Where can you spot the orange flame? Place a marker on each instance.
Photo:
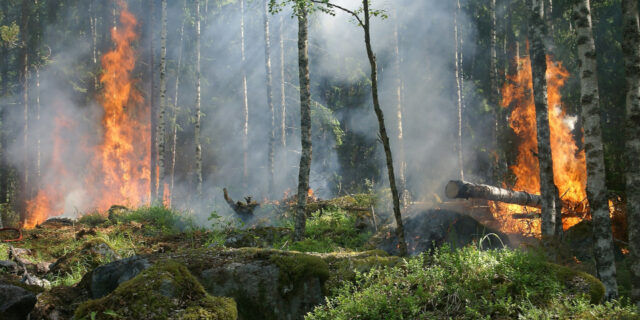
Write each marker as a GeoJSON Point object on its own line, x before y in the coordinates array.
{"type": "Point", "coordinates": [310, 193]}
{"type": "Point", "coordinates": [119, 170]}
{"type": "Point", "coordinates": [568, 162]}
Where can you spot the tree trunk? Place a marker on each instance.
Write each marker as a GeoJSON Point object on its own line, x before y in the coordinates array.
{"type": "Point", "coordinates": [93, 20]}
{"type": "Point", "coordinates": [383, 132]}
{"type": "Point", "coordinates": [548, 189]}
{"type": "Point", "coordinates": [631, 50]}
{"type": "Point", "coordinates": [245, 100]}
{"type": "Point", "coordinates": [163, 102]}
{"type": "Point", "coordinates": [24, 81]}
{"type": "Point", "coordinates": [399, 114]}
{"type": "Point", "coordinates": [174, 118]}
{"type": "Point", "coordinates": [198, 155]}
{"type": "Point", "coordinates": [596, 188]}
{"type": "Point", "coordinates": [461, 189]}
{"type": "Point", "coordinates": [283, 100]}
{"type": "Point", "coordinates": [267, 64]}
{"type": "Point", "coordinates": [458, 91]}
{"type": "Point", "coordinates": [305, 122]}
{"type": "Point", "coordinates": [494, 93]}
{"type": "Point", "coordinates": [153, 184]}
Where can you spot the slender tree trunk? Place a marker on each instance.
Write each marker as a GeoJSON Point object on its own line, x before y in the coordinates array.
{"type": "Point", "coordinates": [548, 189]}
{"type": "Point", "coordinates": [283, 100]}
{"type": "Point", "coordinates": [267, 64]}
{"type": "Point", "coordinates": [399, 113]}
{"type": "Point", "coordinates": [174, 118]}
{"type": "Point", "coordinates": [458, 91]}
{"type": "Point", "coordinates": [596, 188]}
{"type": "Point", "coordinates": [93, 20]}
{"type": "Point", "coordinates": [198, 113]}
{"type": "Point", "coordinates": [245, 109]}
{"type": "Point", "coordinates": [494, 94]}
{"type": "Point", "coordinates": [631, 50]}
{"type": "Point", "coordinates": [24, 81]}
{"type": "Point", "coordinates": [153, 185]}
{"type": "Point", "coordinates": [38, 149]}
{"type": "Point", "coordinates": [305, 122]}
{"type": "Point", "coordinates": [383, 132]}
{"type": "Point", "coordinates": [163, 102]}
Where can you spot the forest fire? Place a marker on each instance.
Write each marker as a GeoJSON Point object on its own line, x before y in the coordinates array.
{"type": "Point", "coordinates": [568, 162]}
{"type": "Point", "coordinates": [117, 171]}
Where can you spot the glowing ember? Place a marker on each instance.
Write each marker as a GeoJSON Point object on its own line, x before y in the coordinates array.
{"type": "Point", "coordinates": [118, 168]}
{"type": "Point", "coordinates": [568, 162]}
{"type": "Point", "coordinates": [310, 193]}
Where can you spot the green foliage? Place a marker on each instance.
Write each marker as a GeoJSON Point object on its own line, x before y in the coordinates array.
{"type": "Point", "coordinates": [9, 34]}
{"type": "Point", "coordinates": [158, 219]}
{"type": "Point", "coordinates": [4, 251]}
{"type": "Point", "coordinates": [93, 219]}
{"type": "Point", "coordinates": [328, 231]}
{"type": "Point", "coordinates": [471, 284]}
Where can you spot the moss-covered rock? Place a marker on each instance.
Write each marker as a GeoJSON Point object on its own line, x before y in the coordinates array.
{"type": "Point", "coordinates": [167, 290]}
{"type": "Point", "coordinates": [93, 253]}
{"type": "Point", "coordinates": [578, 282]}
{"type": "Point", "coordinates": [343, 266]}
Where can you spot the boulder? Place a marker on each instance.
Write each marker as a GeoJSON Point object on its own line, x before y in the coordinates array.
{"type": "Point", "coordinates": [104, 279]}
{"type": "Point", "coordinates": [93, 253]}
{"type": "Point", "coordinates": [428, 229]}
{"type": "Point", "coordinates": [265, 283]}
{"type": "Point", "coordinates": [15, 302]}
{"type": "Point", "coordinates": [8, 266]}
{"type": "Point", "coordinates": [166, 290]}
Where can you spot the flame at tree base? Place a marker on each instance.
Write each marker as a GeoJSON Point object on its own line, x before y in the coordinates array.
{"type": "Point", "coordinates": [569, 164]}
{"type": "Point", "coordinates": [117, 169]}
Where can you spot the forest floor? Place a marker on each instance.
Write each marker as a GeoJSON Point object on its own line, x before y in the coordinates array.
{"type": "Point", "coordinates": [152, 262]}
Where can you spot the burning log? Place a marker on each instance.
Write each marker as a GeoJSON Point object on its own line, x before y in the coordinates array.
{"type": "Point", "coordinates": [462, 189]}
{"type": "Point", "coordinates": [243, 209]}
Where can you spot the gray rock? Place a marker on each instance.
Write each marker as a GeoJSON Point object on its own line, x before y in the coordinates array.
{"type": "Point", "coordinates": [8, 265]}
{"type": "Point", "coordinates": [104, 279]}
{"type": "Point", "coordinates": [15, 302]}
{"type": "Point", "coordinates": [35, 281]}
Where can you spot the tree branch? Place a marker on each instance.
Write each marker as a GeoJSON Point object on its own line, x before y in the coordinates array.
{"type": "Point", "coordinates": [331, 5]}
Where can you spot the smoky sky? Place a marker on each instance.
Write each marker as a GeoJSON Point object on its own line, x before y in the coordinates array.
{"type": "Point", "coordinates": [337, 50]}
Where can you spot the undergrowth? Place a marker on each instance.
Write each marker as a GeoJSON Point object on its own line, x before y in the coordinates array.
{"type": "Point", "coordinates": [472, 284]}
{"type": "Point", "coordinates": [328, 231]}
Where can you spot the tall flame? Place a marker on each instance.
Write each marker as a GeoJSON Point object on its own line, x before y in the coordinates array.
{"type": "Point", "coordinates": [568, 162]}
{"type": "Point", "coordinates": [118, 169]}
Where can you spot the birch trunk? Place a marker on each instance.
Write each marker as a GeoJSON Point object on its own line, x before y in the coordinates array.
{"type": "Point", "coordinates": [269, 80]}
{"type": "Point", "coordinates": [245, 100]}
{"type": "Point", "coordinates": [24, 82]}
{"type": "Point", "coordinates": [283, 100]}
{"type": "Point", "coordinates": [153, 184]}
{"type": "Point", "coordinates": [383, 132]}
{"type": "Point", "coordinates": [198, 154]}
{"type": "Point", "coordinates": [494, 94]}
{"type": "Point", "coordinates": [174, 118]}
{"type": "Point", "coordinates": [399, 114]}
{"type": "Point", "coordinates": [596, 188]}
{"type": "Point", "coordinates": [305, 122]}
{"type": "Point", "coordinates": [163, 102]}
{"type": "Point", "coordinates": [631, 50]}
{"type": "Point", "coordinates": [459, 92]}
{"type": "Point", "coordinates": [548, 189]}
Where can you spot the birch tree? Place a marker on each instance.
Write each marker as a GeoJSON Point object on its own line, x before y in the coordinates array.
{"type": "Point", "coordinates": [198, 155]}
{"type": "Point", "coordinates": [174, 118]}
{"type": "Point", "coordinates": [631, 50]}
{"type": "Point", "coordinates": [537, 52]}
{"type": "Point", "coordinates": [245, 103]}
{"type": "Point", "coordinates": [160, 140]}
{"type": "Point", "coordinates": [594, 152]}
{"type": "Point", "coordinates": [269, 83]}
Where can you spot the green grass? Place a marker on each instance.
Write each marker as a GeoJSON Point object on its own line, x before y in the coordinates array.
{"type": "Point", "coordinates": [158, 219]}
{"type": "Point", "coordinates": [332, 230]}
{"type": "Point", "coordinates": [472, 284]}
{"type": "Point", "coordinates": [93, 219]}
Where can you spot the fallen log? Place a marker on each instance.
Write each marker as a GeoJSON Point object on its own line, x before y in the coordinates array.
{"type": "Point", "coordinates": [462, 189]}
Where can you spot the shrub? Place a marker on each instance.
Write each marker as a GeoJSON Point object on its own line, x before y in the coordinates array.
{"type": "Point", "coordinates": [158, 219]}
{"type": "Point", "coordinates": [470, 284]}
